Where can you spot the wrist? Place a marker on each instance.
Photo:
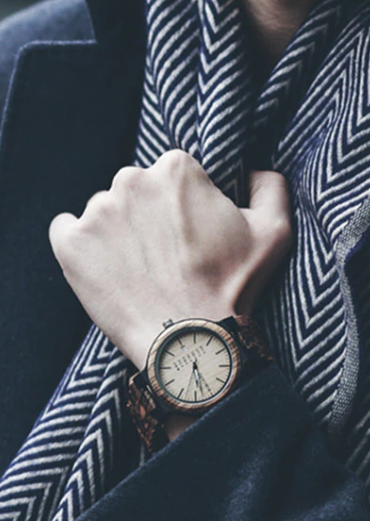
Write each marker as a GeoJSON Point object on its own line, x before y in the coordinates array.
{"type": "Point", "coordinates": [137, 342]}
{"type": "Point", "coordinates": [175, 424]}
{"type": "Point", "coordinates": [192, 365]}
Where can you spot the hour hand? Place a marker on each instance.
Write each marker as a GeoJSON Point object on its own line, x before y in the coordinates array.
{"type": "Point", "coordinates": [197, 376]}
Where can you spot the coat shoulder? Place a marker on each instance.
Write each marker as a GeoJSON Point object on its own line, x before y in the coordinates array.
{"type": "Point", "coordinates": [50, 20]}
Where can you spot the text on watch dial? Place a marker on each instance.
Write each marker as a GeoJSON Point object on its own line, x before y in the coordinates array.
{"type": "Point", "coordinates": [194, 366]}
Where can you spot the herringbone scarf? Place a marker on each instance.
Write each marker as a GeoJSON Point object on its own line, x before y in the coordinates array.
{"type": "Point", "coordinates": [203, 93]}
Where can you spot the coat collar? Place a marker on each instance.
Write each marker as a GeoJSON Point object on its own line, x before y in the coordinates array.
{"type": "Point", "coordinates": [115, 21]}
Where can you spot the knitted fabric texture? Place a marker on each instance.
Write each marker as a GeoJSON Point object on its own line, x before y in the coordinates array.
{"type": "Point", "coordinates": [204, 94]}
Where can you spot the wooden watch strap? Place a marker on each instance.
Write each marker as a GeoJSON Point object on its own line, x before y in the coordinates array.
{"type": "Point", "coordinates": [252, 338]}
{"type": "Point", "coordinates": [146, 414]}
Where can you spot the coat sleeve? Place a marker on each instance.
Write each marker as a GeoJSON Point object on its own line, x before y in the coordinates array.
{"type": "Point", "coordinates": [257, 456]}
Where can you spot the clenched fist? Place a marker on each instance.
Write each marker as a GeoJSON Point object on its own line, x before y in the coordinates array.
{"type": "Point", "coordinates": [164, 242]}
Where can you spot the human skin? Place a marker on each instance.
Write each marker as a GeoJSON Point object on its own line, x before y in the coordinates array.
{"type": "Point", "coordinates": [274, 23]}
{"type": "Point", "coordinates": [163, 243]}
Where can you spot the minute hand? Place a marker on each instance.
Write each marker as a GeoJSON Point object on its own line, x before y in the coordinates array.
{"type": "Point", "coordinates": [197, 377]}
{"type": "Point", "coordinates": [190, 380]}
{"type": "Point", "coordinates": [204, 381]}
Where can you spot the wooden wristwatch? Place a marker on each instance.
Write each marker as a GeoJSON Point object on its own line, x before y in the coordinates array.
{"type": "Point", "coordinates": [191, 366]}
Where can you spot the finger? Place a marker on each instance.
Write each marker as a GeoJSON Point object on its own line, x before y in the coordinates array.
{"type": "Point", "coordinates": [96, 196]}
{"type": "Point", "coordinates": [96, 201]}
{"type": "Point", "coordinates": [268, 192]}
{"type": "Point", "coordinates": [127, 177]}
{"type": "Point", "coordinates": [99, 207]}
{"type": "Point", "coordinates": [59, 230]}
{"type": "Point", "coordinates": [269, 212]}
{"type": "Point", "coordinates": [176, 164]}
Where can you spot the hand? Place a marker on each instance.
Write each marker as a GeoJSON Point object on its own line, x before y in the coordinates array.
{"type": "Point", "coordinates": [164, 243]}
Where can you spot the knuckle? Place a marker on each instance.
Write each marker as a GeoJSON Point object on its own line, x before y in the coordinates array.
{"type": "Point", "coordinates": [119, 178]}
{"type": "Point", "coordinates": [99, 208]}
{"type": "Point", "coordinates": [179, 168]}
{"type": "Point", "coordinates": [103, 206]}
{"type": "Point", "coordinates": [175, 156]}
{"type": "Point", "coordinates": [65, 245]}
{"type": "Point", "coordinates": [127, 178]}
{"type": "Point", "coordinates": [53, 229]}
{"type": "Point", "coordinates": [174, 163]}
{"type": "Point", "coordinates": [98, 199]}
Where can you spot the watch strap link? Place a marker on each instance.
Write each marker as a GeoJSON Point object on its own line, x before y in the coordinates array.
{"type": "Point", "coordinates": [146, 414]}
{"type": "Point", "coordinates": [251, 337]}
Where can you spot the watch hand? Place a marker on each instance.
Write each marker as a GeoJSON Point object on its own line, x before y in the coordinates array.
{"type": "Point", "coordinates": [197, 376]}
{"type": "Point", "coordinates": [190, 380]}
{"type": "Point", "coordinates": [205, 382]}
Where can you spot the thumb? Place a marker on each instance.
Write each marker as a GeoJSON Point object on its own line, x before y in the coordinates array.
{"type": "Point", "coordinates": [269, 193]}
{"type": "Point", "coordinates": [269, 222]}
{"type": "Point", "coordinates": [269, 212]}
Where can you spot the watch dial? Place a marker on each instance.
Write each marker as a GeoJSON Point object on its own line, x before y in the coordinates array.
{"type": "Point", "coordinates": [194, 366]}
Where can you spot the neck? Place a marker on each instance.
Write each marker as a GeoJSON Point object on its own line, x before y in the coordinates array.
{"type": "Point", "coordinates": [274, 23]}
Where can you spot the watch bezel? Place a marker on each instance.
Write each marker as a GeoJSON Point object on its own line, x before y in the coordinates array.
{"type": "Point", "coordinates": [181, 327]}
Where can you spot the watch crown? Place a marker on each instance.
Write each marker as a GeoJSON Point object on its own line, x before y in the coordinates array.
{"type": "Point", "coordinates": [167, 323]}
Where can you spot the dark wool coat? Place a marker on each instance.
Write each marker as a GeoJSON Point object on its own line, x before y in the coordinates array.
{"type": "Point", "coordinates": [70, 89]}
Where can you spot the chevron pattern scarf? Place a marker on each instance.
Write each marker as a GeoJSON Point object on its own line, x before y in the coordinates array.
{"type": "Point", "coordinates": [311, 121]}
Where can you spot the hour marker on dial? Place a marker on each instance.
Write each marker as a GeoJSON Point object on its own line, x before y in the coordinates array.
{"type": "Point", "coordinates": [194, 366]}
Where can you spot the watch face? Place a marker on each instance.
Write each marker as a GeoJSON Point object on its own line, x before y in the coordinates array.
{"type": "Point", "coordinates": [194, 365]}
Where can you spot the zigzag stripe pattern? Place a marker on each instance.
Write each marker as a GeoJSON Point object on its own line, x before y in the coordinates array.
{"type": "Point", "coordinates": [330, 182]}
{"type": "Point", "coordinates": [311, 122]}
{"type": "Point", "coordinates": [197, 91]}
{"type": "Point", "coordinates": [73, 443]}
{"type": "Point", "coordinates": [95, 460]}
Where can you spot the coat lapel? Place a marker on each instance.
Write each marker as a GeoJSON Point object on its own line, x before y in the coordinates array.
{"type": "Point", "coordinates": [69, 125]}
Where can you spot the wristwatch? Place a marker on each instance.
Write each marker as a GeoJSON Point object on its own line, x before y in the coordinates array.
{"type": "Point", "coordinates": [192, 365]}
